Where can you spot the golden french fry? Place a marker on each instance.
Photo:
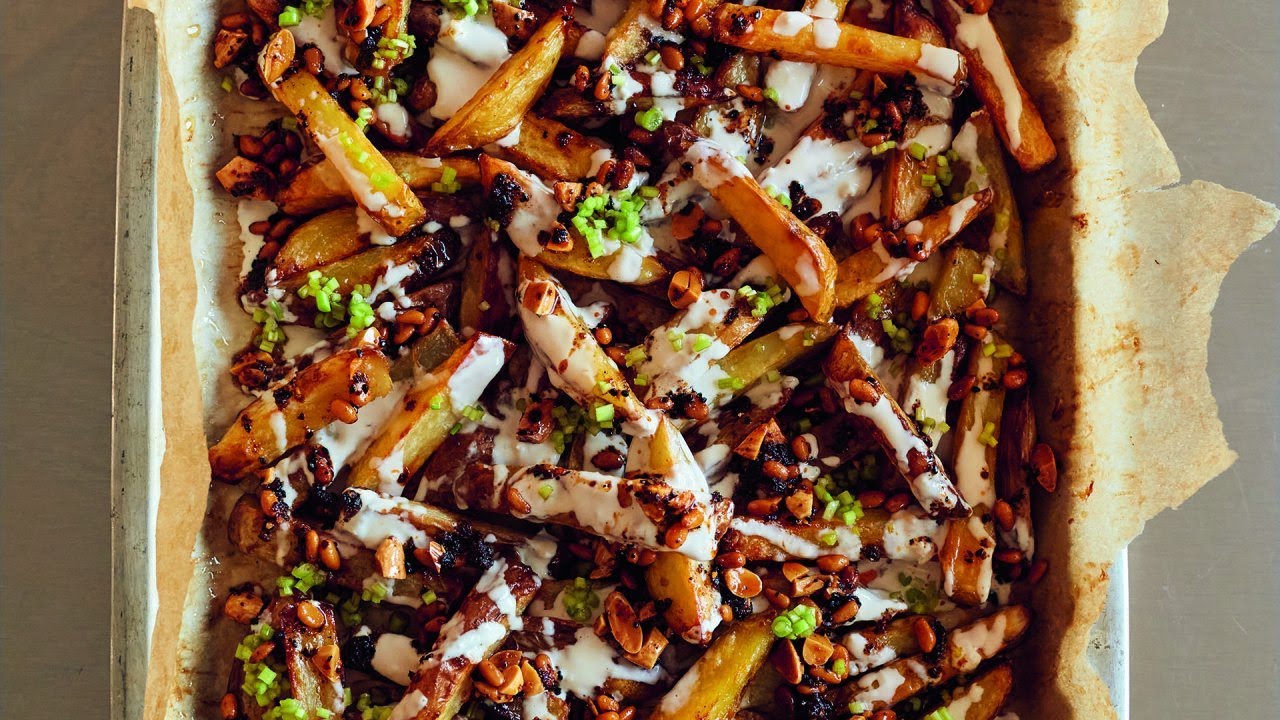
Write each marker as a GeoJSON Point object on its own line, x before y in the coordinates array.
{"type": "Point", "coordinates": [775, 351]}
{"type": "Point", "coordinates": [443, 680]}
{"type": "Point", "coordinates": [369, 177]}
{"type": "Point", "coordinates": [554, 150]}
{"type": "Point", "coordinates": [967, 647]}
{"type": "Point", "coordinates": [762, 540]}
{"type": "Point", "coordinates": [799, 37]}
{"type": "Point", "coordinates": [497, 108]}
{"type": "Point", "coordinates": [421, 256]}
{"type": "Point", "coordinates": [569, 350]}
{"type": "Point", "coordinates": [966, 556]}
{"type": "Point", "coordinates": [534, 216]}
{"type": "Point", "coordinates": [862, 272]}
{"type": "Point", "coordinates": [320, 186]}
{"type": "Point", "coordinates": [266, 429]}
{"type": "Point", "coordinates": [711, 688]}
{"type": "Point", "coordinates": [801, 257]}
{"type": "Point", "coordinates": [428, 413]}
{"type": "Point", "coordinates": [977, 145]}
{"type": "Point", "coordinates": [311, 656]}
{"type": "Point", "coordinates": [983, 698]}
{"type": "Point", "coordinates": [684, 585]}
{"type": "Point", "coordinates": [862, 395]}
{"type": "Point", "coordinates": [484, 305]}
{"type": "Point", "coordinates": [1017, 118]}
{"type": "Point", "coordinates": [955, 289]}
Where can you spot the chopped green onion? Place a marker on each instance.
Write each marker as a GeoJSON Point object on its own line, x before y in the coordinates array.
{"type": "Point", "coordinates": [289, 17]}
{"type": "Point", "coordinates": [918, 151]}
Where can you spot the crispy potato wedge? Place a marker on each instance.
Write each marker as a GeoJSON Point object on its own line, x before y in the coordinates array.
{"type": "Point", "coordinates": [500, 104]}
{"type": "Point", "coordinates": [554, 150]}
{"type": "Point", "coordinates": [711, 689]}
{"type": "Point", "coordinates": [303, 646]}
{"type": "Point", "coordinates": [862, 272]}
{"type": "Point", "coordinates": [924, 394]}
{"type": "Point", "coordinates": [624, 510]}
{"type": "Point", "coordinates": [775, 351]}
{"type": "Point", "coordinates": [966, 648]}
{"type": "Point", "coordinates": [904, 196]}
{"type": "Point", "coordinates": [1017, 439]}
{"type": "Point", "coordinates": [575, 362]}
{"type": "Point", "coordinates": [758, 539]}
{"type": "Point", "coordinates": [534, 217]}
{"type": "Point", "coordinates": [873, 647]}
{"type": "Point", "coordinates": [802, 258]}
{"type": "Point", "coordinates": [628, 39]}
{"type": "Point", "coordinates": [321, 186]}
{"type": "Point", "coordinates": [443, 680]}
{"type": "Point", "coordinates": [966, 556]}
{"type": "Point", "coordinates": [720, 315]}
{"type": "Point", "coordinates": [862, 395]}
{"type": "Point", "coordinates": [485, 305]}
{"type": "Point", "coordinates": [1017, 118]}
{"type": "Point", "coordinates": [796, 36]}
{"type": "Point", "coordinates": [955, 289]}
{"type": "Point", "coordinates": [369, 178]}
{"type": "Point", "coordinates": [339, 234]}
{"type": "Point", "coordinates": [417, 258]}
{"type": "Point", "coordinates": [980, 149]}
{"type": "Point", "coordinates": [693, 611]}
{"type": "Point", "coordinates": [983, 698]}
{"type": "Point", "coordinates": [285, 418]}
{"type": "Point", "coordinates": [428, 413]}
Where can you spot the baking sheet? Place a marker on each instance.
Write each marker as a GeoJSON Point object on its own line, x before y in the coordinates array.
{"type": "Point", "coordinates": [136, 471]}
{"type": "Point", "coordinates": [1241, 210]}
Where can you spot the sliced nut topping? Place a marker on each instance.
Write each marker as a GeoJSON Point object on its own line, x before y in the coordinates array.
{"type": "Point", "coordinates": [800, 503]}
{"type": "Point", "coordinates": [243, 606]}
{"type": "Point", "coordinates": [540, 297]}
{"type": "Point", "coordinates": [276, 56]}
{"type": "Point", "coordinates": [793, 570]}
{"type": "Point", "coordinates": [390, 557]}
{"type": "Point", "coordinates": [328, 660]}
{"type": "Point", "coordinates": [329, 555]}
{"type": "Point", "coordinates": [227, 46]}
{"type": "Point", "coordinates": [1045, 466]}
{"type": "Point", "coordinates": [938, 340]}
{"type": "Point", "coordinates": [533, 684]}
{"type": "Point", "coordinates": [925, 636]}
{"type": "Point", "coordinates": [846, 612]}
{"type": "Point", "coordinates": [808, 585]}
{"type": "Point", "coordinates": [623, 623]}
{"type": "Point", "coordinates": [817, 650]}
{"type": "Point", "coordinates": [742, 582]}
{"type": "Point", "coordinates": [685, 287]}
{"type": "Point", "coordinates": [654, 643]}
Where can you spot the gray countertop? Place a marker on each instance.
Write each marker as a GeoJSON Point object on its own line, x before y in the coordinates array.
{"type": "Point", "coordinates": [1205, 578]}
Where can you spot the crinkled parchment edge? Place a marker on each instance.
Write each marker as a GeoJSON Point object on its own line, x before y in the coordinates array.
{"type": "Point", "coordinates": [1125, 265]}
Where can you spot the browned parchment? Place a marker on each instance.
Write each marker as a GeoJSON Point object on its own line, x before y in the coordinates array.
{"type": "Point", "coordinates": [1125, 271]}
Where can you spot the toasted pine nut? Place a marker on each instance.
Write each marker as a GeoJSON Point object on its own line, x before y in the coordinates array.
{"type": "Point", "coordinates": [310, 614]}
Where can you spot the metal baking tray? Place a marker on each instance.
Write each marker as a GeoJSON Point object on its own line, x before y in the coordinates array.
{"type": "Point", "coordinates": [137, 433]}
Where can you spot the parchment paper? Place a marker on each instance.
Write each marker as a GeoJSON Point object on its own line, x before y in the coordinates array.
{"type": "Point", "coordinates": [1125, 268]}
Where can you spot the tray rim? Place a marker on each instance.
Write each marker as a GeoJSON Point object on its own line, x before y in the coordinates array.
{"type": "Point", "coordinates": [136, 430]}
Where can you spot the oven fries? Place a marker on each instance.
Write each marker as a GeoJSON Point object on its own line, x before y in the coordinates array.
{"type": "Point", "coordinates": [1018, 119]}
{"type": "Point", "coordinates": [799, 37]}
{"type": "Point", "coordinates": [498, 106]}
{"type": "Point", "coordinates": [601, 365]}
